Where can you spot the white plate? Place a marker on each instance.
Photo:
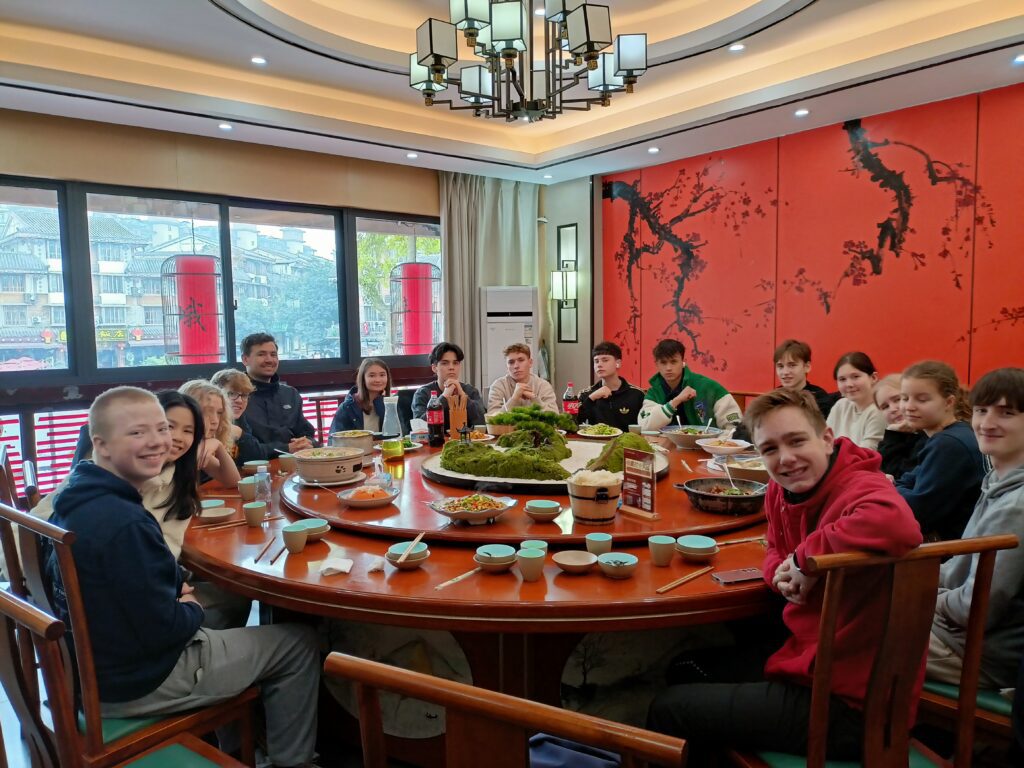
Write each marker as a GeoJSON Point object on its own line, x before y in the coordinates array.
{"type": "Point", "coordinates": [474, 518]}
{"type": "Point", "coordinates": [487, 439]}
{"type": "Point", "coordinates": [600, 437]}
{"type": "Point", "coordinates": [383, 501]}
{"type": "Point", "coordinates": [333, 484]}
{"type": "Point", "coordinates": [217, 513]}
{"type": "Point", "coordinates": [415, 447]}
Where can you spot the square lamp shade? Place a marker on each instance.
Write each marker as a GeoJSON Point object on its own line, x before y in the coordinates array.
{"type": "Point", "coordinates": [420, 79]}
{"type": "Point", "coordinates": [477, 86]}
{"type": "Point", "coordinates": [603, 78]}
{"type": "Point", "coordinates": [470, 14]}
{"type": "Point", "coordinates": [563, 285]}
{"type": "Point", "coordinates": [556, 10]}
{"type": "Point", "coordinates": [630, 55]}
{"type": "Point", "coordinates": [589, 28]}
{"type": "Point", "coordinates": [436, 45]}
{"type": "Point", "coordinates": [509, 28]}
{"type": "Point", "coordinates": [484, 48]}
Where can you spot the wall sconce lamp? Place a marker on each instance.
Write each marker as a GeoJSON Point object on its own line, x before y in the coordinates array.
{"type": "Point", "coordinates": [563, 285]}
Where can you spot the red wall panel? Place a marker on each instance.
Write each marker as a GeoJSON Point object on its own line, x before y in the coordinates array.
{"type": "Point", "coordinates": [998, 311]}
{"type": "Point", "coordinates": [621, 305]}
{"type": "Point", "coordinates": [898, 234]}
{"type": "Point", "coordinates": [842, 285]}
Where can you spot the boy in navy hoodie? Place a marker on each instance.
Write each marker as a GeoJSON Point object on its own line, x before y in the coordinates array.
{"type": "Point", "coordinates": [151, 655]}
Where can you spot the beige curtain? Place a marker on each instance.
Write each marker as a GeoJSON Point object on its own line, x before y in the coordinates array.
{"type": "Point", "coordinates": [488, 237]}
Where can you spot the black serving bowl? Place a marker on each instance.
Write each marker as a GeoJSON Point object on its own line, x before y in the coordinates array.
{"type": "Point", "coordinates": [703, 500]}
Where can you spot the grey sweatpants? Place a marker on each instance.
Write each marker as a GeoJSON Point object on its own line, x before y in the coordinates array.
{"type": "Point", "coordinates": [217, 664]}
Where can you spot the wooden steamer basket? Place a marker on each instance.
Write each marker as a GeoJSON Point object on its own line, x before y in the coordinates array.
{"type": "Point", "coordinates": [594, 504]}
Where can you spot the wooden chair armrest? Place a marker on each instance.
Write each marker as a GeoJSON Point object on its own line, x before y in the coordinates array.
{"type": "Point", "coordinates": [938, 549]}
{"type": "Point", "coordinates": [31, 481]}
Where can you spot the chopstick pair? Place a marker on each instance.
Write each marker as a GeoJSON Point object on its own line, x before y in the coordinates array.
{"type": "Point", "coordinates": [458, 578]}
{"type": "Point", "coordinates": [235, 524]}
{"type": "Point", "coordinates": [266, 548]}
{"type": "Point", "coordinates": [411, 547]}
{"type": "Point", "coordinates": [760, 538]}
{"type": "Point", "coordinates": [679, 582]}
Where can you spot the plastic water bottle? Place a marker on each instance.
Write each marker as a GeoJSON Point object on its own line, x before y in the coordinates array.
{"type": "Point", "coordinates": [263, 486]}
{"type": "Point", "coordinates": [391, 426]}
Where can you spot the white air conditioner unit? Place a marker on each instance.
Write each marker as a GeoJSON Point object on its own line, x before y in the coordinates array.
{"type": "Point", "coordinates": [30, 298]}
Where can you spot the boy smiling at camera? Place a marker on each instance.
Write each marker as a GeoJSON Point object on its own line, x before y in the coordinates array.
{"type": "Point", "coordinates": [827, 495]}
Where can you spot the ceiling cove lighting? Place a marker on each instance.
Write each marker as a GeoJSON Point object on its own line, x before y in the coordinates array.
{"type": "Point", "coordinates": [259, 61]}
{"type": "Point", "coordinates": [653, 150]}
{"type": "Point", "coordinates": [737, 47]}
{"type": "Point", "coordinates": [802, 112]}
{"type": "Point", "coordinates": [226, 126]}
{"type": "Point", "coordinates": [574, 68]}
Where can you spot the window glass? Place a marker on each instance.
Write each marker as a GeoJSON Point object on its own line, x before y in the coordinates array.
{"type": "Point", "coordinates": [156, 281]}
{"type": "Point", "coordinates": [285, 280]}
{"type": "Point", "coordinates": [400, 310]}
{"type": "Point", "coordinates": [31, 281]}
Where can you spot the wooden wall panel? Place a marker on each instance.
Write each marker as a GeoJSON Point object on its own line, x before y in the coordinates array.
{"type": "Point", "coordinates": [998, 307]}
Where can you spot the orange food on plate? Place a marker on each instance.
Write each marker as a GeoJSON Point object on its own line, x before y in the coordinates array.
{"type": "Point", "coordinates": [368, 492]}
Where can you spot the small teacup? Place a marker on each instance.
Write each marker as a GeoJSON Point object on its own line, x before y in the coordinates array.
{"type": "Point", "coordinates": [247, 488]}
{"type": "Point", "coordinates": [534, 544]}
{"type": "Point", "coordinates": [255, 513]}
{"type": "Point", "coordinates": [531, 564]}
{"type": "Point", "coordinates": [286, 463]}
{"type": "Point", "coordinates": [294, 540]}
{"type": "Point", "coordinates": [634, 428]}
{"type": "Point", "coordinates": [599, 543]}
{"type": "Point", "coordinates": [662, 548]}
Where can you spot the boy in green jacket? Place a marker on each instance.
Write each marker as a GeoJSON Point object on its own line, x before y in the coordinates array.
{"type": "Point", "coordinates": [676, 390]}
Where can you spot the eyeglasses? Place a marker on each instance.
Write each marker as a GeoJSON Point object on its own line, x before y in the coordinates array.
{"type": "Point", "coordinates": [238, 395]}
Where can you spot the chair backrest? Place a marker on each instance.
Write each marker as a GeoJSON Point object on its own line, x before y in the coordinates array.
{"type": "Point", "coordinates": [31, 533]}
{"type": "Point", "coordinates": [31, 482]}
{"type": "Point", "coordinates": [484, 726]}
{"type": "Point", "coordinates": [20, 618]}
{"type": "Point", "coordinates": [913, 581]}
{"type": "Point", "coordinates": [8, 490]}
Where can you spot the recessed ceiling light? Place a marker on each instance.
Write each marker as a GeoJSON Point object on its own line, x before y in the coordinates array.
{"type": "Point", "coordinates": [737, 47]}
{"type": "Point", "coordinates": [539, 12]}
{"type": "Point", "coordinates": [548, 176]}
{"type": "Point", "coordinates": [411, 155]}
{"type": "Point", "coordinates": [653, 150]}
{"type": "Point", "coordinates": [225, 126]}
{"type": "Point", "coordinates": [1019, 59]}
{"type": "Point", "coordinates": [259, 61]}
{"type": "Point", "coordinates": [802, 112]}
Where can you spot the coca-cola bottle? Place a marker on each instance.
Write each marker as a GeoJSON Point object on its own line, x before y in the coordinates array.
{"type": "Point", "coordinates": [435, 421]}
{"type": "Point", "coordinates": [571, 401]}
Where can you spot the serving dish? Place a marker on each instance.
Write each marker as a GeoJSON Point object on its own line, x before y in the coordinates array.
{"type": "Point", "coordinates": [711, 494]}
{"type": "Point", "coordinates": [718, 446]}
{"type": "Point", "coordinates": [685, 436]}
{"type": "Point", "coordinates": [450, 508]}
{"type": "Point", "coordinates": [346, 497]}
{"type": "Point", "coordinates": [611, 432]}
{"type": "Point", "coordinates": [329, 464]}
{"type": "Point", "coordinates": [742, 466]}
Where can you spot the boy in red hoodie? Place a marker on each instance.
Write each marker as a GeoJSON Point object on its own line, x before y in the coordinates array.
{"type": "Point", "coordinates": [827, 495]}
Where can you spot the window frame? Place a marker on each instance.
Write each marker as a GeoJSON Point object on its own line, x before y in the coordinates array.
{"type": "Point", "coordinates": [83, 370]}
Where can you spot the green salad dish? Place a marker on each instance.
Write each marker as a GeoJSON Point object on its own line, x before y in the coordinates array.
{"type": "Point", "coordinates": [518, 462]}
{"type": "Point", "coordinates": [611, 458]}
{"type": "Point", "coordinates": [519, 416]}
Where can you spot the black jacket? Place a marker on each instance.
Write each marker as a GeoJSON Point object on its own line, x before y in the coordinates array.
{"type": "Point", "coordinates": [620, 409]}
{"type": "Point", "coordinates": [129, 582]}
{"type": "Point", "coordinates": [825, 400]}
{"type": "Point", "coordinates": [474, 405]}
{"type": "Point", "coordinates": [275, 414]}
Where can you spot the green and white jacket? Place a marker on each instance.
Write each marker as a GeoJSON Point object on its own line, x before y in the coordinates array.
{"type": "Point", "coordinates": [712, 400]}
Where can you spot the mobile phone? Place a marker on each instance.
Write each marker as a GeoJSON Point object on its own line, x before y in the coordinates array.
{"type": "Point", "coordinates": [737, 576]}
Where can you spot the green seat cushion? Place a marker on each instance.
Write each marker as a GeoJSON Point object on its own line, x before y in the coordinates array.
{"type": "Point", "coordinates": [990, 701]}
{"type": "Point", "coordinates": [786, 760]}
{"type": "Point", "coordinates": [116, 727]}
{"type": "Point", "coordinates": [174, 756]}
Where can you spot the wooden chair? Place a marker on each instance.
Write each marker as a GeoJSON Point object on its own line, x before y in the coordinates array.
{"type": "Point", "coordinates": [28, 474]}
{"type": "Point", "coordinates": [488, 728]}
{"type": "Point", "coordinates": [9, 489]}
{"type": "Point", "coordinates": [914, 582]}
{"type": "Point", "coordinates": [61, 746]}
{"type": "Point", "coordinates": [100, 741]}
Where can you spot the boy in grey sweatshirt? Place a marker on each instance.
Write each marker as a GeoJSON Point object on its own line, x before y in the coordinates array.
{"type": "Point", "coordinates": [997, 402]}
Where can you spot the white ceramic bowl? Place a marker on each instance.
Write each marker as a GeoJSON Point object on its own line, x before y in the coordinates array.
{"type": "Point", "coordinates": [617, 565]}
{"type": "Point", "coordinates": [688, 442]}
{"type": "Point", "coordinates": [495, 553]}
{"type": "Point", "coordinates": [411, 562]}
{"type": "Point", "coordinates": [714, 446]}
{"type": "Point", "coordinates": [574, 560]}
{"type": "Point", "coordinates": [491, 567]}
{"type": "Point", "coordinates": [315, 529]}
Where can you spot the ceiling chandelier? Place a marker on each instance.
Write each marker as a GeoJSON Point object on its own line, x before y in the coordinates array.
{"type": "Point", "coordinates": [514, 83]}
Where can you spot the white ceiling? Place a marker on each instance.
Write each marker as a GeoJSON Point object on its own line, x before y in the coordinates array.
{"type": "Point", "coordinates": [336, 80]}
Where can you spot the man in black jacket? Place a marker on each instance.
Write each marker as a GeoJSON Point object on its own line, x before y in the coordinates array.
{"type": "Point", "coordinates": [275, 409]}
{"type": "Point", "coordinates": [612, 400]}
